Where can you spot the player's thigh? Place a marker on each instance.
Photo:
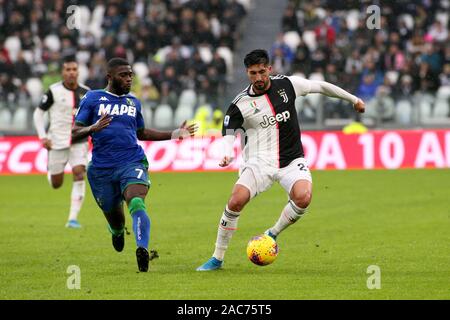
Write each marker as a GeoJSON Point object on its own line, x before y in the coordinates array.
{"type": "Point", "coordinates": [57, 160]}
{"type": "Point", "coordinates": [134, 180]}
{"type": "Point", "coordinates": [255, 179]}
{"type": "Point", "coordinates": [105, 189]}
{"type": "Point", "coordinates": [296, 171]}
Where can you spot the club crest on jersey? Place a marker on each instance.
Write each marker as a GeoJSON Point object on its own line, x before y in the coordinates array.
{"type": "Point", "coordinates": [283, 94]}
{"type": "Point", "coordinates": [130, 102]}
{"type": "Point", "coordinates": [254, 106]}
{"type": "Point", "coordinates": [116, 110]}
{"type": "Point", "coordinates": [279, 117]}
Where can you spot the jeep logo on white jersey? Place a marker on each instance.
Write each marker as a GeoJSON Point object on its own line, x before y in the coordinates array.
{"type": "Point", "coordinates": [117, 110]}
{"type": "Point", "coordinates": [279, 117]}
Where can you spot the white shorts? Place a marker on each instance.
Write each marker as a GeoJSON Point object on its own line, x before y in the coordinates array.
{"type": "Point", "coordinates": [76, 155]}
{"type": "Point", "coordinates": [259, 178]}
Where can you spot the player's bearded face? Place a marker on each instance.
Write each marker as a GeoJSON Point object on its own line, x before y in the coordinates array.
{"type": "Point", "coordinates": [122, 80]}
{"type": "Point", "coordinates": [259, 76]}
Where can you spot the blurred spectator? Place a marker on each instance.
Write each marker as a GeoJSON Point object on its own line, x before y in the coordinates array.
{"type": "Point", "coordinates": [202, 118]}
{"type": "Point", "coordinates": [215, 126]}
{"type": "Point", "coordinates": [368, 87]}
{"type": "Point", "coordinates": [281, 50]}
{"type": "Point", "coordinates": [53, 75]}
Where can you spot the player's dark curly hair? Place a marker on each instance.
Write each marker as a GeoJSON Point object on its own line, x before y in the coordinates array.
{"type": "Point", "coordinates": [115, 62]}
{"type": "Point", "coordinates": [257, 56]}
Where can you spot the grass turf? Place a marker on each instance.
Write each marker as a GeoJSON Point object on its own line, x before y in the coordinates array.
{"type": "Point", "coordinates": [397, 220]}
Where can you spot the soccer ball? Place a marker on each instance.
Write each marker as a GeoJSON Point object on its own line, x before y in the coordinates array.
{"type": "Point", "coordinates": [262, 250]}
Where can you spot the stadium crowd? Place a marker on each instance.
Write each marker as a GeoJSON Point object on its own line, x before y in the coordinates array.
{"type": "Point", "coordinates": [175, 46]}
{"type": "Point", "coordinates": [182, 54]}
{"type": "Point", "coordinates": [400, 65]}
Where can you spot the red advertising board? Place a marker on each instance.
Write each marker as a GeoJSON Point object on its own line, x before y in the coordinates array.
{"type": "Point", "coordinates": [323, 150]}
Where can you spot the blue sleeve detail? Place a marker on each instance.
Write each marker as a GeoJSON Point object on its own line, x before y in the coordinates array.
{"type": "Point", "coordinates": [139, 118]}
{"type": "Point", "coordinates": [84, 113]}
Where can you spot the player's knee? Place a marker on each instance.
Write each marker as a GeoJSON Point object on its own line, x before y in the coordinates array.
{"type": "Point", "coordinates": [303, 199]}
{"type": "Point", "coordinates": [56, 183]}
{"type": "Point", "coordinates": [237, 202]}
{"type": "Point", "coordinates": [136, 204]}
{"type": "Point", "coordinates": [78, 173]}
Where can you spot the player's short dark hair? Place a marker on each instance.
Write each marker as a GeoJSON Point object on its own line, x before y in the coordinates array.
{"type": "Point", "coordinates": [68, 59]}
{"type": "Point", "coordinates": [257, 56]}
{"type": "Point", "coordinates": [116, 62]}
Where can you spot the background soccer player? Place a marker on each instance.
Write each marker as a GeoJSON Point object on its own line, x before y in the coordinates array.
{"type": "Point", "coordinates": [61, 102]}
{"type": "Point", "coordinates": [265, 114]}
{"type": "Point", "coordinates": [118, 170]}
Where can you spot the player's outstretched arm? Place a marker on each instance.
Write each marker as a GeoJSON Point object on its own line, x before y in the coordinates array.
{"type": "Point", "coordinates": [80, 132]}
{"type": "Point", "coordinates": [334, 91]}
{"type": "Point", "coordinates": [303, 87]}
{"type": "Point", "coordinates": [184, 131]}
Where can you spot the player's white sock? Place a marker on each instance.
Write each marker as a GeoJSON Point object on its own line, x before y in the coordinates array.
{"type": "Point", "coordinates": [77, 197]}
{"type": "Point", "coordinates": [290, 214]}
{"type": "Point", "coordinates": [227, 227]}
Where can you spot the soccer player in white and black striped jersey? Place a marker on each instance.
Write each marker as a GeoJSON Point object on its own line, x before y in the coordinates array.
{"type": "Point", "coordinates": [264, 113]}
{"type": "Point", "coordinates": [61, 102]}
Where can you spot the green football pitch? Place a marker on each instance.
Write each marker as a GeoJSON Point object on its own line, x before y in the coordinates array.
{"type": "Point", "coordinates": [394, 222]}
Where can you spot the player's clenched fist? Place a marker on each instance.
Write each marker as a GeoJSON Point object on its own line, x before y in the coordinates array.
{"type": "Point", "coordinates": [359, 106]}
{"type": "Point", "coordinates": [225, 161]}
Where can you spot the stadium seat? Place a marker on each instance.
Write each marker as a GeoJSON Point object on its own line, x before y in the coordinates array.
{"type": "Point", "coordinates": [163, 116]}
{"type": "Point", "coordinates": [141, 70]}
{"type": "Point", "coordinates": [205, 53]}
{"type": "Point", "coordinates": [5, 118]}
{"type": "Point", "coordinates": [403, 112]}
{"type": "Point", "coordinates": [188, 97]}
{"type": "Point", "coordinates": [83, 57]}
{"type": "Point", "coordinates": [13, 45]}
{"type": "Point", "coordinates": [443, 17]}
{"type": "Point", "coordinates": [248, 4]}
{"type": "Point", "coordinates": [392, 76]}
{"type": "Point", "coordinates": [408, 19]}
{"type": "Point", "coordinates": [443, 92]}
{"type": "Point", "coordinates": [227, 55]}
{"type": "Point", "coordinates": [309, 38]}
{"type": "Point", "coordinates": [83, 71]}
{"type": "Point", "coordinates": [147, 113]}
{"type": "Point", "coordinates": [52, 42]}
{"type": "Point", "coordinates": [292, 39]}
{"type": "Point", "coordinates": [183, 112]}
{"type": "Point", "coordinates": [441, 108]}
{"type": "Point", "coordinates": [34, 87]}
{"type": "Point", "coordinates": [425, 108]}
{"type": "Point", "coordinates": [316, 76]}
{"type": "Point", "coordinates": [321, 13]}
{"type": "Point", "coordinates": [352, 19]}
{"type": "Point", "coordinates": [19, 120]}
{"type": "Point", "coordinates": [28, 56]}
